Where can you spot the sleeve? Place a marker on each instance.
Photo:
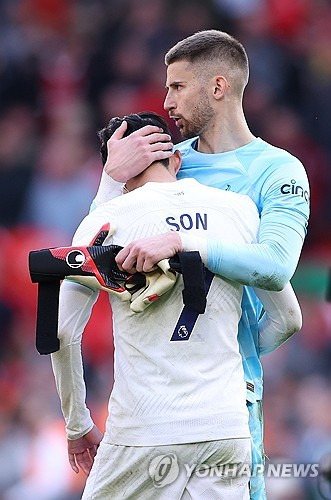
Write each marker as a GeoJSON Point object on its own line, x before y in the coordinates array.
{"type": "Point", "coordinates": [270, 263]}
{"type": "Point", "coordinates": [281, 319]}
{"type": "Point", "coordinates": [75, 307]}
{"type": "Point", "coordinates": [107, 190]}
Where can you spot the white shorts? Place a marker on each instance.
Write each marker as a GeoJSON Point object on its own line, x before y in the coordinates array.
{"type": "Point", "coordinates": [208, 470]}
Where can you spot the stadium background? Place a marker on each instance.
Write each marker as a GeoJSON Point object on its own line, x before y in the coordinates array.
{"type": "Point", "coordinates": [66, 67]}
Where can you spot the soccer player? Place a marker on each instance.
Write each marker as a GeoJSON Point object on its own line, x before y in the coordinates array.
{"type": "Point", "coordinates": [206, 77]}
{"type": "Point", "coordinates": [179, 388]}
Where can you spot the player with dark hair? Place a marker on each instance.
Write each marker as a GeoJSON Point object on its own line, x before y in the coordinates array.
{"type": "Point", "coordinates": [134, 122]}
{"type": "Point", "coordinates": [179, 388]}
{"type": "Point", "coordinates": [206, 77]}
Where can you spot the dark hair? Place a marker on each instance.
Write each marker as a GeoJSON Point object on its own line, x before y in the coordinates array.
{"type": "Point", "coordinates": [211, 46]}
{"type": "Point", "coordinates": [135, 121]}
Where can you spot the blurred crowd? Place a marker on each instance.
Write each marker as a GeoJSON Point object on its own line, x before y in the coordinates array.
{"type": "Point", "coordinates": [66, 68]}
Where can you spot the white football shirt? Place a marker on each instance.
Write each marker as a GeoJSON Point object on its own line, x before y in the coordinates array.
{"type": "Point", "coordinates": [178, 375]}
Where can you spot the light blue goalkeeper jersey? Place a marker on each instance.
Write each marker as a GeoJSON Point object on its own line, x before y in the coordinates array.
{"type": "Point", "coordinates": [277, 183]}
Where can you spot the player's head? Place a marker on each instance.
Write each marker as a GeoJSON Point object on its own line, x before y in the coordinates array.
{"type": "Point", "coordinates": [204, 70]}
{"type": "Point", "coordinates": [135, 122]}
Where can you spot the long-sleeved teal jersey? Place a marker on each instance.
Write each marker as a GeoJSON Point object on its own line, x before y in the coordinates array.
{"type": "Point", "coordinates": [277, 182]}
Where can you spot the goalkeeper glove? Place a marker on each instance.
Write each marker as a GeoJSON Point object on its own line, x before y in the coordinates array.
{"type": "Point", "coordinates": [93, 266]}
{"type": "Point", "coordinates": [195, 277]}
{"type": "Point", "coordinates": [158, 282]}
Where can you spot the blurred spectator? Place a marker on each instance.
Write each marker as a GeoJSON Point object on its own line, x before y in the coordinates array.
{"type": "Point", "coordinates": [239, 8]}
{"type": "Point", "coordinates": [66, 174]}
{"type": "Point", "coordinates": [285, 130]}
{"type": "Point", "coordinates": [316, 75]}
{"type": "Point", "coordinates": [18, 150]}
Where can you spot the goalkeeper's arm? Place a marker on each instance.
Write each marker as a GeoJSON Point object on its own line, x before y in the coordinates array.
{"type": "Point", "coordinates": [282, 317]}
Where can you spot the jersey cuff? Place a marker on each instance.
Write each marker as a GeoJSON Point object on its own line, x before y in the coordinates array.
{"type": "Point", "coordinates": [72, 435]}
{"type": "Point", "coordinates": [108, 190]}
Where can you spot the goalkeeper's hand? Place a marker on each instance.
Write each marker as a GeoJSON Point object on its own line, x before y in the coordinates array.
{"type": "Point", "coordinates": [158, 282]}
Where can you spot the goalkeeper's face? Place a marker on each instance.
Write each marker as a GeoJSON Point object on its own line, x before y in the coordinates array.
{"type": "Point", "coordinates": [187, 100]}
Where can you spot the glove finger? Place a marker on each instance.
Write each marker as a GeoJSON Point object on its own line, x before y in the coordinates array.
{"type": "Point", "coordinates": [104, 232]}
{"type": "Point", "coordinates": [161, 286]}
{"type": "Point", "coordinates": [165, 267]}
{"type": "Point", "coordinates": [137, 304]}
{"type": "Point", "coordinates": [92, 282]}
{"type": "Point", "coordinates": [158, 285]}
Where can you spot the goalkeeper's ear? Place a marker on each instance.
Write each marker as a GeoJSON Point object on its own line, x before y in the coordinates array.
{"type": "Point", "coordinates": [158, 283]}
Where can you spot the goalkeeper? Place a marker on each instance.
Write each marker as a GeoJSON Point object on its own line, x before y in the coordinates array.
{"type": "Point", "coordinates": [179, 384]}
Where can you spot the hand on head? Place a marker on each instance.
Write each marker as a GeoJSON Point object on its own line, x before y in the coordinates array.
{"type": "Point", "coordinates": [129, 156]}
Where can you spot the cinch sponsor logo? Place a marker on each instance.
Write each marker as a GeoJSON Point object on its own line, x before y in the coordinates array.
{"type": "Point", "coordinates": [293, 188]}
